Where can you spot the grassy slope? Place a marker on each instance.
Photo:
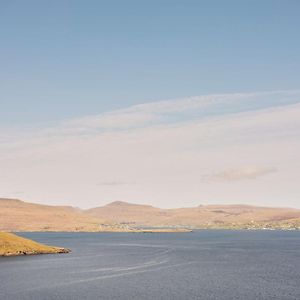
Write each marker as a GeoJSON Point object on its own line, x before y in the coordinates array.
{"type": "Point", "coordinates": [16, 215]}
{"type": "Point", "coordinates": [11, 244]}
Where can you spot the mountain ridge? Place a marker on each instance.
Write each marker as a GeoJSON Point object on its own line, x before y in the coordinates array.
{"type": "Point", "coordinates": [18, 215]}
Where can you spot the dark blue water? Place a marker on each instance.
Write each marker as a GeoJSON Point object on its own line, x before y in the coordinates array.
{"type": "Point", "coordinates": [199, 265]}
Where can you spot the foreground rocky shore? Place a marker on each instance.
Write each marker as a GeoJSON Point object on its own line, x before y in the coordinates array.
{"type": "Point", "coordinates": [13, 245]}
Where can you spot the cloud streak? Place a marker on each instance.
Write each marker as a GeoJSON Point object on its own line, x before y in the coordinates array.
{"type": "Point", "coordinates": [181, 110]}
{"type": "Point", "coordinates": [245, 173]}
{"type": "Point", "coordinates": [114, 183]}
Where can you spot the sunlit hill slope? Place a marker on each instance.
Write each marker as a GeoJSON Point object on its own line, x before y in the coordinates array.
{"type": "Point", "coordinates": [17, 215]}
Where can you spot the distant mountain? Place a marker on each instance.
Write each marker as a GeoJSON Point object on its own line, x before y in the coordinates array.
{"type": "Point", "coordinates": [209, 216]}
{"type": "Point", "coordinates": [131, 214]}
{"type": "Point", "coordinates": [16, 215]}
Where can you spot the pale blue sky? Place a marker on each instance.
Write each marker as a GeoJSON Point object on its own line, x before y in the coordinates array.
{"type": "Point", "coordinates": [67, 59]}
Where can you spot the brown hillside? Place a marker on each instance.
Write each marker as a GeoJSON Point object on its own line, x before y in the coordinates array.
{"type": "Point", "coordinates": [210, 216]}
{"type": "Point", "coordinates": [16, 215]}
{"type": "Point", "coordinates": [122, 212]}
{"type": "Point", "coordinates": [11, 244]}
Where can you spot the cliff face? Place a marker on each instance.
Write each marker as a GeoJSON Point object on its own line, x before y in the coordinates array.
{"type": "Point", "coordinates": [11, 244]}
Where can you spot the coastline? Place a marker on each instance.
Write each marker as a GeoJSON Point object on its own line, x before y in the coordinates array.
{"type": "Point", "coordinates": [14, 245]}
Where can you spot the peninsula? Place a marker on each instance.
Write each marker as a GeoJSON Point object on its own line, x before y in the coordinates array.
{"type": "Point", "coordinates": [13, 245]}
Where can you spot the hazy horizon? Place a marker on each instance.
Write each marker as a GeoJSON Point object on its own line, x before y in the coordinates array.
{"type": "Point", "coordinates": [142, 204]}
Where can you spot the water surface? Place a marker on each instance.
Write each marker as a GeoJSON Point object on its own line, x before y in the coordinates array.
{"type": "Point", "coordinates": [199, 265]}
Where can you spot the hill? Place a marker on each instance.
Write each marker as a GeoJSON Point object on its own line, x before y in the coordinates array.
{"type": "Point", "coordinates": [17, 215]}
{"type": "Point", "coordinates": [128, 213]}
{"type": "Point", "coordinates": [11, 244]}
{"type": "Point", "coordinates": [210, 216]}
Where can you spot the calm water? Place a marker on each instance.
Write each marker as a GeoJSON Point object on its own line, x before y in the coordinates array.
{"type": "Point", "coordinates": [199, 265]}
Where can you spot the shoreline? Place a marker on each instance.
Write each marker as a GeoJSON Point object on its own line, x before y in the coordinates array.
{"type": "Point", "coordinates": [14, 245]}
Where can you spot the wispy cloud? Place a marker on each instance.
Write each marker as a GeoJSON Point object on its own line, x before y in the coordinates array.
{"type": "Point", "coordinates": [114, 183]}
{"type": "Point", "coordinates": [245, 173]}
{"type": "Point", "coordinates": [181, 110]}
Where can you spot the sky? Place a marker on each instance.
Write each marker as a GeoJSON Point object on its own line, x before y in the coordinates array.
{"type": "Point", "coordinates": [169, 103]}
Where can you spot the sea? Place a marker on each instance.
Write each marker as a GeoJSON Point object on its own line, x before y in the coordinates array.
{"type": "Point", "coordinates": [205, 264]}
